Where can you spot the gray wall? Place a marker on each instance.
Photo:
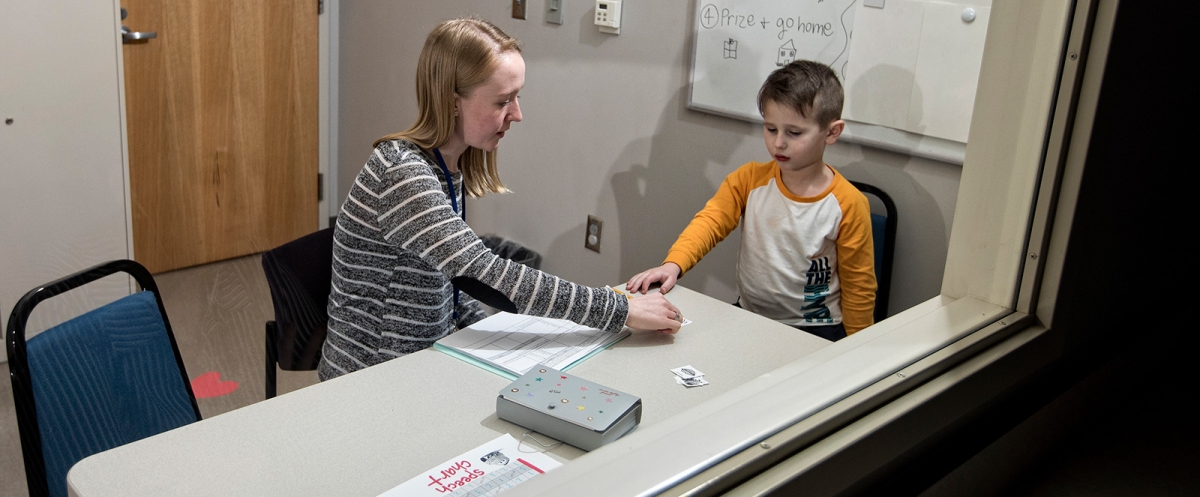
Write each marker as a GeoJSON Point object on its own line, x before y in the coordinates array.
{"type": "Point", "coordinates": [607, 132]}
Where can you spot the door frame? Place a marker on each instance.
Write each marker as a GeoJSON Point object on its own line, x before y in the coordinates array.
{"type": "Point", "coordinates": [327, 106]}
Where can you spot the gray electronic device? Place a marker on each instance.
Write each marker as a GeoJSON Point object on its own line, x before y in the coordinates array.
{"type": "Point", "coordinates": [569, 408]}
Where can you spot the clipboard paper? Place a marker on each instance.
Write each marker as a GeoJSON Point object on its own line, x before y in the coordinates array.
{"type": "Point", "coordinates": [511, 344]}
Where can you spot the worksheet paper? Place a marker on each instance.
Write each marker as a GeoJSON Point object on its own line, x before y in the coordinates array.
{"type": "Point", "coordinates": [487, 470]}
{"type": "Point", "coordinates": [512, 344]}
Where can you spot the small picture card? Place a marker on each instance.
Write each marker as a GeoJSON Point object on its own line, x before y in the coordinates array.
{"type": "Point", "coordinates": [698, 381]}
{"type": "Point", "coordinates": [687, 372]}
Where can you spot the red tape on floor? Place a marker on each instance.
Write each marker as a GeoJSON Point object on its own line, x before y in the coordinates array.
{"type": "Point", "coordinates": [210, 385]}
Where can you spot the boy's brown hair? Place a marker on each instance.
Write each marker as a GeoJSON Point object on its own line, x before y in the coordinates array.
{"type": "Point", "coordinates": [807, 87]}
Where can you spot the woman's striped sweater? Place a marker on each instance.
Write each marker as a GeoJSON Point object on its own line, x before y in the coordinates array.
{"type": "Point", "coordinates": [398, 243]}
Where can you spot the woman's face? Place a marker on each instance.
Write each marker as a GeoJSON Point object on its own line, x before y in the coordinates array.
{"type": "Point", "coordinates": [490, 108]}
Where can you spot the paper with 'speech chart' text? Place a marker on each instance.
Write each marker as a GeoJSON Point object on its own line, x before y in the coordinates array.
{"type": "Point", "coordinates": [486, 470]}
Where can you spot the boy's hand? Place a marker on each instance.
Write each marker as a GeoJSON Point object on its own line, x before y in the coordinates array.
{"type": "Point", "coordinates": [666, 274]}
{"type": "Point", "coordinates": [654, 312]}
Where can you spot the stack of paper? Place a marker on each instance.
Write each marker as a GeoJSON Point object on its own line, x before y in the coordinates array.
{"type": "Point", "coordinates": [511, 344]}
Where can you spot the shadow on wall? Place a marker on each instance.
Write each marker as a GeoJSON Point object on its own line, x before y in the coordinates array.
{"type": "Point", "coordinates": [656, 200]}
{"type": "Point", "coordinates": [887, 95]}
{"type": "Point", "coordinates": [588, 34]}
{"type": "Point", "coordinates": [921, 236]}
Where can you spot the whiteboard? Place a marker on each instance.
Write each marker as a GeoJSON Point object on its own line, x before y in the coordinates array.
{"type": "Point", "coordinates": [909, 67]}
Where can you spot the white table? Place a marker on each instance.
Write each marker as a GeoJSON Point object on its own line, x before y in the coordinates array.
{"type": "Point", "coordinates": [366, 432]}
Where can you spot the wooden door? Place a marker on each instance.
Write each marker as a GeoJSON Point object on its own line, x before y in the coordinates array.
{"type": "Point", "coordinates": [222, 119]}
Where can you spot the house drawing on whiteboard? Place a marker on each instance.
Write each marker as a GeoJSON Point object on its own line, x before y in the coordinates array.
{"type": "Point", "coordinates": [729, 48]}
{"type": "Point", "coordinates": [787, 53]}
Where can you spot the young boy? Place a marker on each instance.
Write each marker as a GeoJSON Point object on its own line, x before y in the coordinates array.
{"type": "Point", "coordinates": [807, 257]}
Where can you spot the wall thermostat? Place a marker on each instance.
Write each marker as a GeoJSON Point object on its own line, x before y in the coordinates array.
{"type": "Point", "coordinates": [608, 16]}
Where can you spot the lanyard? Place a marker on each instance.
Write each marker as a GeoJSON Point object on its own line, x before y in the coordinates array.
{"type": "Point", "coordinates": [453, 205]}
{"type": "Point", "coordinates": [449, 181]}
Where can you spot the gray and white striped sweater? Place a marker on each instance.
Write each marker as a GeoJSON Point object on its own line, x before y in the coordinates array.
{"type": "Point", "coordinates": [398, 243]}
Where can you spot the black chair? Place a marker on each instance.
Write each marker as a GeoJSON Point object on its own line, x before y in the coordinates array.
{"type": "Point", "coordinates": [103, 379]}
{"type": "Point", "coordinates": [298, 274]}
{"type": "Point", "coordinates": [883, 230]}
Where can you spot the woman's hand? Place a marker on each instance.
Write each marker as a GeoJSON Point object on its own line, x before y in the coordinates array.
{"type": "Point", "coordinates": [666, 274]}
{"type": "Point", "coordinates": [654, 312]}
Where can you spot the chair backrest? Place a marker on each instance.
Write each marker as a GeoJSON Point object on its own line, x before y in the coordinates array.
{"type": "Point", "coordinates": [883, 230]}
{"type": "Point", "coordinates": [298, 274]}
{"type": "Point", "coordinates": [100, 380]}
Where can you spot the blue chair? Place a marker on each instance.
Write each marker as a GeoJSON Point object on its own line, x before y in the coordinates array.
{"type": "Point", "coordinates": [102, 379]}
{"type": "Point", "coordinates": [883, 230]}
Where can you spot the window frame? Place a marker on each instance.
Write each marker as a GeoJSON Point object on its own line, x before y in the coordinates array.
{"type": "Point", "coordinates": [1039, 85]}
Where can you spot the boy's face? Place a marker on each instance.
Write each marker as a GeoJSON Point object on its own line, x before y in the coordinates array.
{"type": "Point", "coordinates": [797, 142]}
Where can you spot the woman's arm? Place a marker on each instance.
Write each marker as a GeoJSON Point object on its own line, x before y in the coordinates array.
{"type": "Point", "coordinates": [415, 214]}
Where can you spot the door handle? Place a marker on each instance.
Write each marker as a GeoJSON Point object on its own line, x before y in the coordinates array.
{"type": "Point", "coordinates": [128, 36]}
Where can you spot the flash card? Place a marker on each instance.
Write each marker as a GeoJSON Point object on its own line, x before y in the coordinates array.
{"type": "Point", "coordinates": [691, 382]}
{"type": "Point", "coordinates": [687, 372]}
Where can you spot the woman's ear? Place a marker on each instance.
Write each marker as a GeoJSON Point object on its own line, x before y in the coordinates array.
{"type": "Point", "coordinates": [835, 131]}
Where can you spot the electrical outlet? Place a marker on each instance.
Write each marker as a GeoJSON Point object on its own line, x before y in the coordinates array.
{"type": "Point", "coordinates": [591, 239]}
{"type": "Point", "coordinates": [518, 8]}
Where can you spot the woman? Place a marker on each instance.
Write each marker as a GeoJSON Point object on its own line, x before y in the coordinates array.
{"type": "Point", "coordinates": [401, 239]}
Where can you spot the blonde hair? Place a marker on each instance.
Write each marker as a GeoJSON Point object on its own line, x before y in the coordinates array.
{"type": "Point", "coordinates": [459, 55]}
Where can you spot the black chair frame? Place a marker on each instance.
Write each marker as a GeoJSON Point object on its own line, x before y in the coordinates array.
{"type": "Point", "coordinates": [298, 324]}
{"type": "Point", "coordinates": [18, 363]}
{"type": "Point", "coordinates": [889, 249]}
{"type": "Point", "coordinates": [271, 379]}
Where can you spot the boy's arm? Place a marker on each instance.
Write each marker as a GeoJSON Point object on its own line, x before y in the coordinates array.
{"type": "Point", "coordinates": [856, 266]}
{"type": "Point", "coordinates": [718, 218]}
